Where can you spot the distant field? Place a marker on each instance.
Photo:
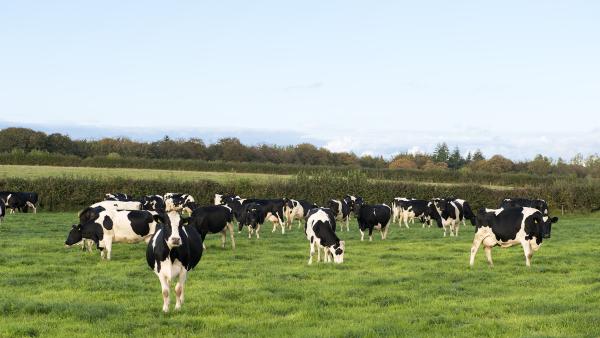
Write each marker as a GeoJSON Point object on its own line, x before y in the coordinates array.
{"type": "Point", "coordinates": [415, 284]}
{"type": "Point", "coordinates": [25, 171]}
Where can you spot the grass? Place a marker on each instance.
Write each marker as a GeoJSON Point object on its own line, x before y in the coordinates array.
{"type": "Point", "coordinates": [27, 171]}
{"type": "Point", "coordinates": [416, 283]}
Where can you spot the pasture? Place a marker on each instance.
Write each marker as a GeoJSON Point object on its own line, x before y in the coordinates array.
{"type": "Point", "coordinates": [416, 283]}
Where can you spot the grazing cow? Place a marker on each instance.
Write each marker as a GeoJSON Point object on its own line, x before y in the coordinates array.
{"type": "Point", "coordinates": [21, 201]}
{"type": "Point", "coordinates": [411, 209]}
{"type": "Point", "coordinates": [373, 217]}
{"type": "Point", "coordinates": [509, 226]}
{"type": "Point", "coordinates": [213, 219]}
{"type": "Point", "coordinates": [397, 209]}
{"type": "Point", "coordinates": [118, 205]}
{"type": "Point", "coordinates": [341, 210]}
{"type": "Point", "coordinates": [104, 227]}
{"type": "Point", "coordinates": [153, 203]}
{"type": "Point", "coordinates": [176, 201]}
{"type": "Point", "coordinates": [175, 249]}
{"type": "Point", "coordinates": [447, 214]}
{"type": "Point", "coordinates": [117, 196]}
{"type": "Point", "coordinates": [320, 232]}
{"type": "Point", "coordinates": [296, 209]}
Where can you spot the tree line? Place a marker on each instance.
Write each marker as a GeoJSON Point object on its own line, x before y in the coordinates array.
{"type": "Point", "coordinates": [230, 149]}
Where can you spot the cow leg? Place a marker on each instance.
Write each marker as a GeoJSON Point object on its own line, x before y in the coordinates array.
{"type": "Point", "coordinates": [474, 248]}
{"type": "Point", "coordinates": [405, 219]}
{"type": "Point", "coordinates": [385, 232]}
{"type": "Point", "coordinates": [312, 253]}
{"type": "Point", "coordinates": [456, 226]}
{"type": "Point", "coordinates": [164, 284]}
{"type": "Point", "coordinates": [488, 254]}
{"type": "Point", "coordinates": [250, 232]}
{"type": "Point", "coordinates": [347, 223]}
{"type": "Point", "coordinates": [282, 228]}
{"type": "Point", "coordinates": [528, 252]}
{"type": "Point", "coordinates": [223, 236]}
{"type": "Point", "coordinates": [107, 246]}
{"type": "Point", "coordinates": [230, 227]}
{"type": "Point", "coordinates": [318, 252]}
{"type": "Point", "coordinates": [257, 230]}
{"type": "Point", "coordinates": [362, 235]}
{"type": "Point", "coordinates": [371, 234]}
{"type": "Point", "coordinates": [179, 288]}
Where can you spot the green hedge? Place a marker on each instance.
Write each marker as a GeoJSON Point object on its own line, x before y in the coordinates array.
{"type": "Point", "coordinates": [69, 194]}
{"type": "Point", "coordinates": [406, 175]}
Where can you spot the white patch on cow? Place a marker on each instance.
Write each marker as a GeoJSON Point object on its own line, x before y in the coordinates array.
{"type": "Point", "coordinates": [218, 199]}
{"type": "Point", "coordinates": [155, 238]}
{"type": "Point", "coordinates": [174, 240]}
{"type": "Point", "coordinates": [118, 205]}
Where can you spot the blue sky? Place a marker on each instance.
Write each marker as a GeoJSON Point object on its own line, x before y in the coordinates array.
{"type": "Point", "coordinates": [517, 77]}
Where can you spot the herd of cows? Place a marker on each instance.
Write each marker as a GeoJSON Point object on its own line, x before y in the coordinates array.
{"type": "Point", "coordinates": [176, 242]}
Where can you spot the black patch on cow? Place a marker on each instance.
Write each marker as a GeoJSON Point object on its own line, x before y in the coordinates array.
{"type": "Point", "coordinates": [107, 223]}
{"type": "Point", "coordinates": [140, 221]}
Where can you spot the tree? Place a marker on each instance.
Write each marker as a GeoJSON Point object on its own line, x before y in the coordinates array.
{"type": "Point", "coordinates": [455, 161]}
{"type": "Point", "coordinates": [402, 162]}
{"type": "Point", "coordinates": [540, 165]}
{"type": "Point", "coordinates": [441, 153]}
{"type": "Point", "coordinates": [478, 156]}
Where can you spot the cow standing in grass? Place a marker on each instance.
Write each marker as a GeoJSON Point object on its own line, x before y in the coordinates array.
{"type": "Point", "coordinates": [320, 232]}
{"type": "Point", "coordinates": [510, 226]}
{"type": "Point", "coordinates": [213, 219]}
{"type": "Point", "coordinates": [371, 217]}
{"type": "Point", "coordinates": [296, 209]}
{"type": "Point", "coordinates": [173, 250]}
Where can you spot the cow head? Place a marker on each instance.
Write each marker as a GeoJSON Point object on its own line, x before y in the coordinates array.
{"type": "Point", "coordinates": [547, 228]}
{"type": "Point", "coordinates": [254, 215]}
{"type": "Point", "coordinates": [358, 203]}
{"type": "Point", "coordinates": [534, 230]}
{"type": "Point", "coordinates": [74, 236]}
{"type": "Point", "coordinates": [337, 251]}
{"type": "Point", "coordinates": [433, 212]}
{"type": "Point", "coordinates": [334, 206]}
{"type": "Point", "coordinates": [170, 224]}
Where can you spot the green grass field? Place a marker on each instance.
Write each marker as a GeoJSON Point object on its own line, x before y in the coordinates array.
{"type": "Point", "coordinates": [26, 171]}
{"type": "Point", "coordinates": [414, 284]}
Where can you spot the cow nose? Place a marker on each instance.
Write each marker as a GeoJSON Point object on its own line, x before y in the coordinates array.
{"type": "Point", "coordinates": [176, 240]}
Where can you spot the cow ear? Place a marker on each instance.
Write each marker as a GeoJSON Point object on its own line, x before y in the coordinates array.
{"type": "Point", "coordinates": [554, 219]}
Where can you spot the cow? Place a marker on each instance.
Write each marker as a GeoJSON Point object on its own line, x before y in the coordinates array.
{"type": "Point", "coordinates": [21, 201]}
{"type": "Point", "coordinates": [176, 201]}
{"type": "Point", "coordinates": [296, 209]}
{"type": "Point", "coordinates": [105, 226]}
{"type": "Point", "coordinates": [213, 219]}
{"type": "Point", "coordinates": [538, 204]}
{"type": "Point", "coordinates": [507, 227]}
{"type": "Point", "coordinates": [117, 196]}
{"type": "Point", "coordinates": [153, 203]}
{"type": "Point", "coordinates": [397, 209]}
{"type": "Point", "coordinates": [341, 210]}
{"type": "Point", "coordinates": [411, 209]}
{"type": "Point", "coordinates": [173, 250]}
{"type": "Point", "coordinates": [221, 198]}
{"type": "Point", "coordinates": [373, 217]}
{"type": "Point", "coordinates": [254, 216]}
{"type": "Point", "coordinates": [118, 205]}
{"type": "Point", "coordinates": [466, 209]}
{"type": "Point", "coordinates": [447, 214]}
{"type": "Point", "coordinates": [320, 232]}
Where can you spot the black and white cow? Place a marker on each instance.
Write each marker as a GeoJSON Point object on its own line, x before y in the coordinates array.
{"type": "Point", "coordinates": [320, 232]}
{"type": "Point", "coordinates": [254, 215]}
{"type": "Point", "coordinates": [507, 227]}
{"type": "Point", "coordinates": [18, 200]}
{"type": "Point", "coordinates": [221, 199]}
{"type": "Point", "coordinates": [447, 214]}
{"type": "Point", "coordinates": [411, 209]}
{"type": "Point", "coordinates": [177, 201]}
{"type": "Point", "coordinates": [173, 250]}
{"type": "Point", "coordinates": [342, 211]}
{"type": "Point", "coordinates": [118, 205]}
{"type": "Point", "coordinates": [213, 219]}
{"type": "Point", "coordinates": [466, 210]}
{"type": "Point", "coordinates": [397, 209]}
{"type": "Point", "coordinates": [117, 196]}
{"type": "Point", "coordinates": [538, 204]}
{"type": "Point", "coordinates": [373, 217]}
{"type": "Point", "coordinates": [104, 227]}
{"type": "Point", "coordinates": [296, 209]}
{"type": "Point", "coordinates": [153, 203]}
